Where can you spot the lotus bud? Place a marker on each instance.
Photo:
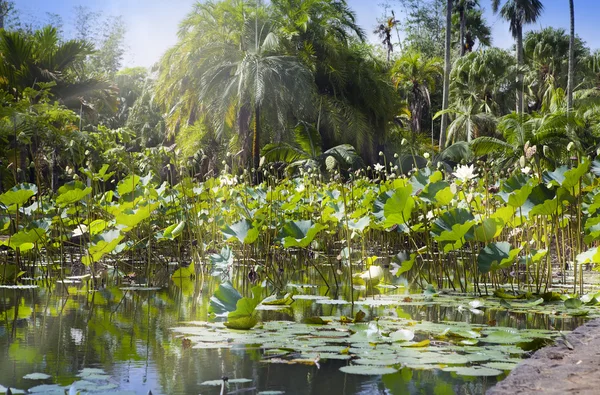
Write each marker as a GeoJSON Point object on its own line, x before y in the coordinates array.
{"type": "Point", "coordinates": [228, 154]}
{"type": "Point", "coordinates": [380, 153]}
{"type": "Point", "coordinates": [522, 161]}
{"type": "Point", "coordinates": [368, 168]}
{"type": "Point", "coordinates": [469, 198]}
{"type": "Point", "coordinates": [426, 155]}
{"type": "Point", "coordinates": [396, 155]}
{"type": "Point", "coordinates": [404, 142]}
{"type": "Point", "coordinates": [547, 151]}
{"type": "Point", "coordinates": [570, 146]}
{"type": "Point", "coordinates": [453, 188]}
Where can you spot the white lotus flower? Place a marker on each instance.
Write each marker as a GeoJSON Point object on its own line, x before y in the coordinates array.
{"type": "Point", "coordinates": [426, 155]}
{"type": "Point", "coordinates": [378, 167]}
{"type": "Point", "coordinates": [526, 170]}
{"type": "Point", "coordinates": [465, 173]}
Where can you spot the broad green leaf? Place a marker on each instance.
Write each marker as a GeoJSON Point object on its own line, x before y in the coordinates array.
{"type": "Point", "coordinates": [224, 299]}
{"type": "Point", "coordinates": [185, 272]}
{"type": "Point", "coordinates": [300, 233]}
{"type": "Point", "coordinates": [242, 231]}
{"type": "Point", "coordinates": [18, 194]}
{"type": "Point", "coordinates": [496, 256]}
{"type": "Point", "coordinates": [174, 230]}
{"type": "Point", "coordinates": [402, 262]}
{"type": "Point", "coordinates": [488, 229]}
{"type": "Point", "coordinates": [398, 208]}
{"type": "Point", "coordinates": [127, 185]}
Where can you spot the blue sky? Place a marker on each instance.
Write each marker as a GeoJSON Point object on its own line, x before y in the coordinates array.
{"type": "Point", "coordinates": [152, 24]}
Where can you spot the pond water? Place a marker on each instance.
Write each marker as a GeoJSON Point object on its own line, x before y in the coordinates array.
{"type": "Point", "coordinates": [120, 341]}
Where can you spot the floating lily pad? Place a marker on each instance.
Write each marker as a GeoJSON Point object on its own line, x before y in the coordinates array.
{"type": "Point", "coordinates": [402, 335]}
{"type": "Point", "coordinates": [501, 365]}
{"type": "Point", "coordinates": [37, 376]}
{"type": "Point", "coordinates": [368, 370]}
{"type": "Point", "coordinates": [474, 371]}
{"type": "Point", "coordinates": [46, 389]}
{"type": "Point", "coordinates": [217, 383]}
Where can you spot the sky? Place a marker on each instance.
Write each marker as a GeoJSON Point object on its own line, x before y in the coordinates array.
{"type": "Point", "coordinates": [152, 24]}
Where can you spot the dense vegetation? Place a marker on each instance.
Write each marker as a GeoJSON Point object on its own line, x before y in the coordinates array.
{"type": "Point", "coordinates": [276, 132]}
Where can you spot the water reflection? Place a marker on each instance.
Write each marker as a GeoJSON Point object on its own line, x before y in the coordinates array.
{"type": "Point", "coordinates": [127, 335]}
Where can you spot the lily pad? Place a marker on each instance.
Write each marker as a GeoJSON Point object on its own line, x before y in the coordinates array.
{"type": "Point", "coordinates": [217, 383]}
{"type": "Point", "coordinates": [367, 370]}
{"type": "Point", "coordinates": [474, 371]}
{"type": "Point", "coordinates": [37, 376]}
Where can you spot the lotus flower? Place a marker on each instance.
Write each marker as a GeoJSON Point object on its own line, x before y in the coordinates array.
{"type": "Point", "coordinates": [373, 275]}
{"type": "Point", "coordinates": [465, 173]}
{"type": "Point", "coordinates": [378, 167]}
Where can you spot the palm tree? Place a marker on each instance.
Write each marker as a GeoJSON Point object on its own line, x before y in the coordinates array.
{"type": "Point", "coordinates": [487, 79]}
{"type": "Point", "coordinates": [447, 68]}
{"type": "Point", "coordinates": [570, 83]}
{"type": "Point", "coordinates": [230, 64]}
{"type": "Point", "coordinates": [29, 60]}
{"type": "Point", "coordinates": [415, 77]}
{"type": "Point", "coordinates": [547, 66]}
{"type": "Point", "coordinates": [308, 151]}
{"type": "Point", "coordinates": [462, 7]}
{"type": "Point", "coordinates": [519, 13]}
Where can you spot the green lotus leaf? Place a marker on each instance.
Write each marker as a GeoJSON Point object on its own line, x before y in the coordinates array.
{"type": "Point", "coordinates": [488, 229]}
{"type": "Point", "coordinates": [242, 231]}
{"type": "Point", "coordinates": [127, 185]}
{"type": "Point", "coordinates": [398, 208]}
{"type": "Point", "coordinates": [174, 230]}
{"type": "Point", "coordinates": [573, 303]}
{"type": "Point", "coordinates": [402, 263]}
{"type": "Point", "coordinates": [224, 299]}
{"type": "Point", "coordinates": [18, 194]}
{"type": "Point", "coordinates": [71, 193]}
{"type": "Point", "coordinates": [452, 225]}
{"type": "Point", "coordinates": [496, 256]}
{"type": "Point", "coordinates": [367, 370]}
{"type": "Point", "coordinates": [300, 233]}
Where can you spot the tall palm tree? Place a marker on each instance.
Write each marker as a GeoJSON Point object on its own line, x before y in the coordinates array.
{"type": "Point", "coordinates": [28, 60]}
{"type": "Point", "coordinates": [230, 64]}
{"type": "Point", "coordinates": [415, 77]}
{"type": "Point", "coordinates": [447, 68]}
{"type": "Point", "coordinates": [519, 13]}
{"type": "Point", "coordinates": [570, 83]}
{"type": "Point", "coordinates": [547, 67]}
{"type": "Point", "coordinates": [462, 7]}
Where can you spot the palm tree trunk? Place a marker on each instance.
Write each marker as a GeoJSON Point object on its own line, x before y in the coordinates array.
{"type": "Point", "coordinates": [447, 67]}
{"type": "Point", "coordinates": [571, 81]}
{"type": "Point", "coordinates": [463, 27]}
{"type": "Point", "coordinates": [520, 74]}
{"type": "Point", "coordinates": [256, 143]}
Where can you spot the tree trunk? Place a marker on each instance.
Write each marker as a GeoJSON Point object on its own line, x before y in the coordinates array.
{"type": "Point", "coordinates": [244, 115]}
{"type": "Point", "coordinates": [570, 83]}
{"type": "Point", "coordinates": [256, 143]}
{"type": "Point", "coordinates": [520, 63]}
{"type": "Point", "coordinates": [447, 67]}
{"type": "Point", "coordinates": [463, 23]}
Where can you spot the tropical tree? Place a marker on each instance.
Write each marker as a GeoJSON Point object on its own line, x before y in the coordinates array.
{"type": "Point", "coordinates": [486, 78]}
{"type": "Point", "coordinates": [415, 77]}
{"type": "Point", "coordinates": [447, 68]}
{"type": "Point", "coordinates": [29, 60]}
{"type": "Point", "coordinates": [235, 69]}
{"type": "Point", "coordinates": [571, 72]}
{"type": "Point", "coordinates": [472, 28]}
{"type": "Point", "coordinates": [307, 151]}
{"type": "Point", "coordinates": [519, 13]}
{"type": "Point", "coordinates": [547, 67]}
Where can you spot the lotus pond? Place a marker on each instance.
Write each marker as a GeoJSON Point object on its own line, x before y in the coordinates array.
{"type": "Point", "coordinates": [376, 282]}
{"type": "Point", "coordinates": [127, 340]}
